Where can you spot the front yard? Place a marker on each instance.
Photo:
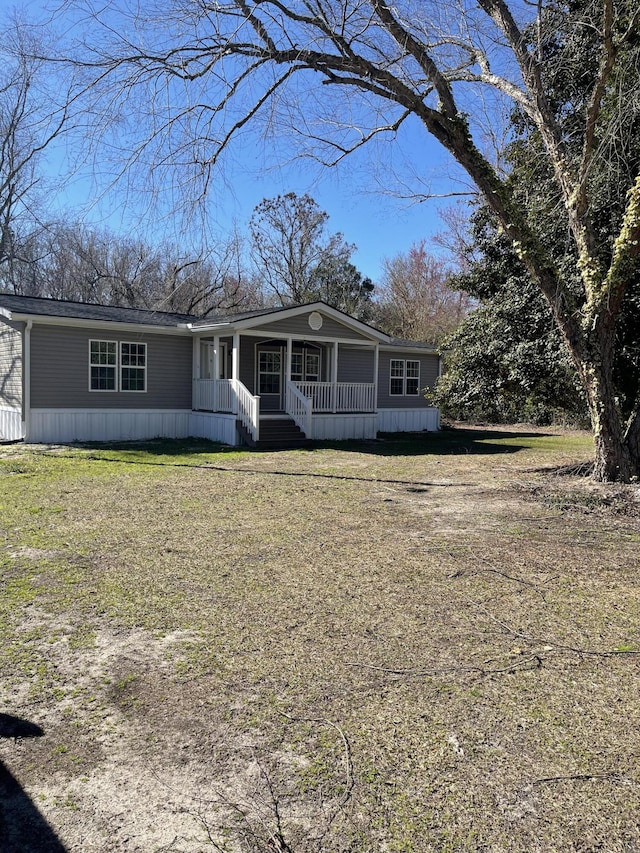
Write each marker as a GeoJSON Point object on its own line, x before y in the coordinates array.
{"type": "Point", "coordinates": [425, 644]}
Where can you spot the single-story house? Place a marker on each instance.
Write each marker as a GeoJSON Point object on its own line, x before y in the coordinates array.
{"type": "Point", "coordinates": [72, 371]}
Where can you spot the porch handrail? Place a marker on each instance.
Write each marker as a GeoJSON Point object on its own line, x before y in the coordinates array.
{"type": "Point", "coordinates": [248, 408]}
{"type": "Point", "coordinates": [213, 395]}
{"type": "Point", "coordinates": [339, 396]}
{"type": "Point", "coordinates": [299, 408]}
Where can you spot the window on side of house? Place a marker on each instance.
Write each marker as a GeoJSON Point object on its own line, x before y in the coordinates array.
{"type": "Point", "coordinates": [103, 365]}
{"type": "Point", "coordinates": [404, 378]}
{"type": "Point", "coordinates": [413, 378]}
{"type": "Point", "coordinates": [133, 367]}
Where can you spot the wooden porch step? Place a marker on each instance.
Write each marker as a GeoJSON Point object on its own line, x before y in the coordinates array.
{"type": "Point", "coordinates": [275, 434]}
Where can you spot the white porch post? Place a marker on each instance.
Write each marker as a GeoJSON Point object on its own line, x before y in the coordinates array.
{"type": "Point", "coordinates": [235, 356]}
{"type": "Point", "coordinates": [334, 376]}
{"type": "Point", "coordinates": [235, 365]}
{"type": "Point", "coordinates": [376, 362]}
{"type": "Point", "coordinates": [216, 356]}
{"type": "Point", "coordinates": [26, 381]}
{"type": "Point", "coordinates": [215, 373]}
{"type": "Point", "coordinates": [195, 374]}
{"type": "Point", "coordinates": [287, 370]}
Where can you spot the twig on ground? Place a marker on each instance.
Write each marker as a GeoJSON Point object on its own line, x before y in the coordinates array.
{"type": "Point", "coordinates": [582, 777]}
{"type": "Point", "coordinates": [462, 572]}
{"type": "Point", "coordinates": [553, 644]}
{"type": "Point", "coordinates": [521, 664]}
{"type": "Point", "coordinates": [349, 780]}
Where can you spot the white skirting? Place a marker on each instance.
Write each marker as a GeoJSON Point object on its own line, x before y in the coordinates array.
{"type": "Point", "coordinates": [342, 427]}
{"type": "Point", "coordinates": [65, 425]}
{"type": "Point", "coordinates": [408, 420]}
{"type": "Point", "coordinates": [53, 426]}
{"type": "Point", "coordinates": [11, 426]}
{"type": "Point", "coordinates": [214, 426]}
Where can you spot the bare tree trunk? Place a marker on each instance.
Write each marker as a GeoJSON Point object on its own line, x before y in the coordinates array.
{"type": "Point", "coordinates": [613, 461]}
{"type": "Point", "coordinates": [594, 359]}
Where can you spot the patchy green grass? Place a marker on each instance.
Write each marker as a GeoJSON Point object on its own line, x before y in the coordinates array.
{"type": "Point", "coordinates": [422, 643]}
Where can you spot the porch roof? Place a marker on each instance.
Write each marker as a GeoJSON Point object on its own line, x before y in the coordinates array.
{"type": "Point", "coordinates": [255, 319]}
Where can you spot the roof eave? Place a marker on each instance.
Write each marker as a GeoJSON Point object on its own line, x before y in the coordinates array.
{"type": "Point", "coordinates": [53, 320]}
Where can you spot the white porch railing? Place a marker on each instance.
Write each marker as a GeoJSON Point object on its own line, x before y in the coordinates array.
{"type": "Point", "coordinates": [299, 408]}
{"type": "Point", "coordinates": [228, 395]}
{"type": "Point", "coordinates": [340, 396]}
{"type": "Point", "coordinates": [213, 395]}
{"type": "Point", "coordinates": [248, 408]}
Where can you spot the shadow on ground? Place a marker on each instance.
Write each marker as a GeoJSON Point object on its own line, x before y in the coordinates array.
{"type": "Point", "coordinates": [446, 442]}
{"type": "Point", "coordinates": [22, 827]}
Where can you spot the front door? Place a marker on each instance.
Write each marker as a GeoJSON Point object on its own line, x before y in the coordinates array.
{"type": "Point", "coordinates": [206, 361]}
{"type": "Point", "coordinates": [270, 379]}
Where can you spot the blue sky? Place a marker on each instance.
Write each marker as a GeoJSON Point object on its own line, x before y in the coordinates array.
{"type": "Point", "coordinates": [361, 196]}
{"type": "Point", "coordinates": [369, 215]}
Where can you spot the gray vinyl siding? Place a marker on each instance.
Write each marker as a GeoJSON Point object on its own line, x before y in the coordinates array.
{"type": "Point", "coordinates": [247, 368]}
{"type": "Point", "coordinates": [356, 364]}
{"type": "Point", "coordinates": [60, 370]}
{"type": "Point", "coordinates": [10, 364]}
{"type": "Point", "coordinates": [428, 375]}
{"type": "Point", "coordinates": [299, 326]}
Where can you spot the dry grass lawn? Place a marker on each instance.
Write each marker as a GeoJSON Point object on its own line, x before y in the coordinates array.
{"type": "Point", "coordinates": [424, 644]}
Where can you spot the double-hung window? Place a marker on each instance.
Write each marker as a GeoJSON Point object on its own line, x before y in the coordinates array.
{"type": "Point", "coordinates": [133, 367]}
{"type": "Point", "coordinates": [103, 365]}
{"type": "Point", "coordinates": [117, 366]}
{"type": "Point", "coordinates": [404, 378]}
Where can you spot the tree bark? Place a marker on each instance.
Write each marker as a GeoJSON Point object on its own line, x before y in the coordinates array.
{"type": "Point", "coordinates": [594, 359]}
{"type": "Point", "coordinates": [632, 441]}
{"type": "Point", "coordinates": [613, 461]}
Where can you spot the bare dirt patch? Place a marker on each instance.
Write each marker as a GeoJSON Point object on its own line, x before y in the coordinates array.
{"type": "Point", "coordinates": [409, 645]}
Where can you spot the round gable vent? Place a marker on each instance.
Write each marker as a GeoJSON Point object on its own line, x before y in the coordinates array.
{"type": "Point", "coordinates": [315, 321]}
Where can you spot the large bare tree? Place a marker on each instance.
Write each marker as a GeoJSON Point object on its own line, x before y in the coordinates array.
{"type": "Point", "coordinates": [342, 73]}
{"type": "Point", "coordinates": [415, 300]}
{"type": "Point", "coordinates": [288, 242]}
{"type": "Point", "coordinates": [74, 261]}
{"type": "Point", "coordinates": [30, 120]}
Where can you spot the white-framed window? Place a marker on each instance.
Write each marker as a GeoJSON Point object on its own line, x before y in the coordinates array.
{"type": "Point", "coordinates": [312, 366]}
{"type": "Point", "coordinates": [103, 365]}
{"type": "Point", "coordinates": [133, 366]}
{"type": "Point", "coordinates": [297, 367]}
{"type": "Point", "coordinates": [404, 378]}
{"type": "Point", "coordinates": [117, 367]}
{"type": "Point", "coordinates": [305, 366]}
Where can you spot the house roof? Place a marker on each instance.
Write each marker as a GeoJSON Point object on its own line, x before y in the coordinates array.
{"type": "Point", "coordinates": [38, 306]}
{"type": "Point", "coordinates": [16, 307]}
{"type": "Point", "coordinates": [237, 316]}
{"type": "Point", "coordinates": [404, 343]}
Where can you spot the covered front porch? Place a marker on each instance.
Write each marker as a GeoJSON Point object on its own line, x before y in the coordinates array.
{"type": "Point", "coordinates": [253, 377]}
